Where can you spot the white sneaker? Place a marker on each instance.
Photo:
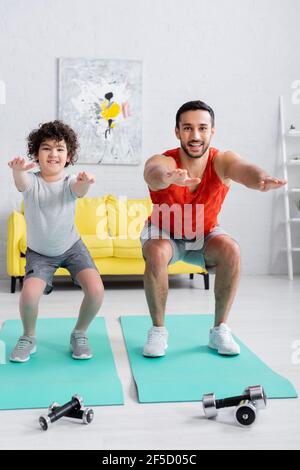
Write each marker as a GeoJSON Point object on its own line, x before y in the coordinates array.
{"type": "Point", "coordinates": [157, 342]}
{"type": "Point", "coordinates": [220, 338]}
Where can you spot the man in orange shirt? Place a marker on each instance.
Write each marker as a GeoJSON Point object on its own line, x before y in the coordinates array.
{"type": "Point", "coordinates": [194, 174]}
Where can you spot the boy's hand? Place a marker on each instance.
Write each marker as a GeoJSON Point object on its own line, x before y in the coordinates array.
{"type": "Point", "coordinates": [82, 183]}
{"type": "Point", "coordinates": [271, 183]}
{"type": "Point", "coordinates": [180, 178]}
{"type": "Point", "coordinates": [19, 167]}
{"type": "Point", "coordinates": [20, 164]}
{"type": "Point", "coordinates": [86, 178]}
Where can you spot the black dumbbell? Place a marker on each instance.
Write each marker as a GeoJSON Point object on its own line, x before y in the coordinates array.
{"type": "Point", "coordinates": [72, 409]}
{"type": "Point", "coordinates": [254, 398]}
{"type": "Point", "coordinates": [86, 415]}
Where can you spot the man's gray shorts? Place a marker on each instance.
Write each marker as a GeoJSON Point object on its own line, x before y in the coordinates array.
{"type": "Point", "coordinates": [75, 259]}
{"type": "Point", "coordinates": [190, 251]}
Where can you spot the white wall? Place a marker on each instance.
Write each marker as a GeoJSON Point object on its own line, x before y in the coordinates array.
{"type": "Point", "coordinates": [239, 56]}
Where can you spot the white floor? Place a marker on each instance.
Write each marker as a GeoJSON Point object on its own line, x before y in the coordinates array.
{"type": "Point", "coordinates": [266, 316]}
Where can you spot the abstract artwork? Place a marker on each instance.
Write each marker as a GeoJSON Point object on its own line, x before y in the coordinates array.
{"type": "Point", "coordinates": [101, 99]}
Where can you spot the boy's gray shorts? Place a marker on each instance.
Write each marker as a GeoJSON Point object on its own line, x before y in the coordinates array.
{"type": "Point", "coordinates": [190, 251]}
{"type": "Point", "coordinates": [75, 259]}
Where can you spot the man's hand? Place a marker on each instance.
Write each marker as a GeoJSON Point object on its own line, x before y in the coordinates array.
{"type": "Point", "coordinates": [20, 164]}
{"type": "Point", "coordinates": [180, 178]}
{"type": "Point", "coordinates": [270, 183]}
{"type": "Point", "coordinates": [85, 178]}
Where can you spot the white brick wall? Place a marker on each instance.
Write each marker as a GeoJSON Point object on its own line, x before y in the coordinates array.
{"type": "Point", "coordinates": [237, 56]}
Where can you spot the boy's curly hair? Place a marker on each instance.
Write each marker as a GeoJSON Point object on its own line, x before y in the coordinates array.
{"type": "Point", "coordinates": [56, 130]}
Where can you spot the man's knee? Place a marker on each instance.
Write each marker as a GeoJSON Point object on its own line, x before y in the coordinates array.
{"type": "Point", "coordinates": [223, 250]}
{"type": "Point", "coordinates": [157, 253]}
{"type": "Point", "coordinates": [231, 253]}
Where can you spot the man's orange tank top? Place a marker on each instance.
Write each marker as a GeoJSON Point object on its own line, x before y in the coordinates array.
{"type": "Point", "coordinates": [211, 192]}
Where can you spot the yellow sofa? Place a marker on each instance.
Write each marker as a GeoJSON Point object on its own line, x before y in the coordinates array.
{"type": "Point", "coordinates": [109, 227]}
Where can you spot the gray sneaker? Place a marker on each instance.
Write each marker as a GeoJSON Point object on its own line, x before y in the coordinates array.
{"type": "Point", "coordinates": [79, 346]}
{"type": "Point", "coordinates": [25, 346]}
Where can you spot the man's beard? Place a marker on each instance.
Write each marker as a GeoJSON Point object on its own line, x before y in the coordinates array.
{"type": "Point", "coordinates": [192, 155]}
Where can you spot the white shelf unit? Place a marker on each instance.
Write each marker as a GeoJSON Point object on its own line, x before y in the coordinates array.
{"type": "Point", "coordinates": [289, 221]}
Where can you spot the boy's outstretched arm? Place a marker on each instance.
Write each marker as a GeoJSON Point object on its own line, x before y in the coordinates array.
{"type": "Point", "coordinates": [251, 176]}
{"type": "Point", "coordinates": [82, 183]}
{"type": "Point", "coordinates": [19, 168]}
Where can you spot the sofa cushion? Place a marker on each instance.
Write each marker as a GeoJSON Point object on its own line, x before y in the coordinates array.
{"type": "Point", "coordinates": [91, 216]}
{"type": "Point", "coordinates": [126, 217]}
{"type": "Point", "coordinates": [98, 248]}
{"type": "Point", "coordinates": [127, 248]}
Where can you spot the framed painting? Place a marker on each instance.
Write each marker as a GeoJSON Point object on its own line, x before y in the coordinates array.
{"type": "Point", "coordinates": [101, 99]}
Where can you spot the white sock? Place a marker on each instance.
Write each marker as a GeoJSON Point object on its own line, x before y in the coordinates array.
{"type": "Point", "coordinates": [159, 329]}
{"type": "Point", "coordinates": [217, 327]}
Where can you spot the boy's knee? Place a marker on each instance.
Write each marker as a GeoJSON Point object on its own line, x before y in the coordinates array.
{"type": "Point", "coordinates": [95, 292]}
{"type": "Point", "coordinates": [30, 297]}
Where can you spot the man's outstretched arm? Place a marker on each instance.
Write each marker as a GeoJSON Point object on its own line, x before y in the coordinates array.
{"type": "Point", "coordinates": [160, 172]}
{"type": "Point", "coordinates": [251, 176]}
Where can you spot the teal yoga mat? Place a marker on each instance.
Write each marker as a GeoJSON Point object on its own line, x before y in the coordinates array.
{"type": "Point", "coordinates": [190, 368]}
{"type": "Point", "coordinates": [51, 374]}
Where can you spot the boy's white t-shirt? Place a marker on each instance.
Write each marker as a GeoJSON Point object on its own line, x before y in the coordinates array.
{"type": "Point", "coordinates": [49, 212]}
